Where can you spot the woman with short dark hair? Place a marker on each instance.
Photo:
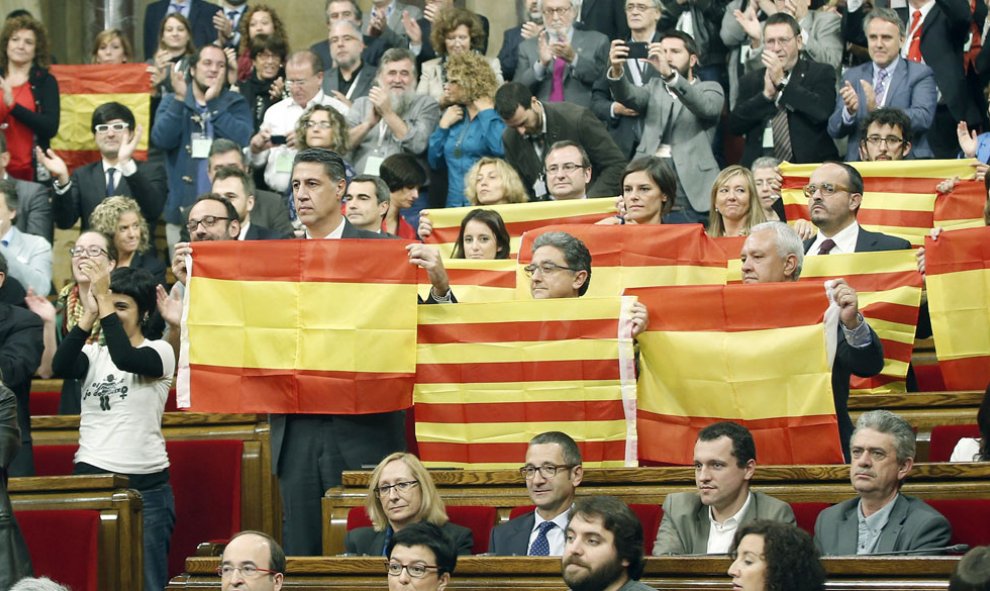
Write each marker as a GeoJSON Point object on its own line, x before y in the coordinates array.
{"type": "Point", "coordinates": [774, 556]}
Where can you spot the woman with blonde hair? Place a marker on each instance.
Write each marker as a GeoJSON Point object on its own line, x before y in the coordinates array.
{"type": "Point", "coordinates": [111, 47]}
{"type": "Point", "coordinates": [735, 206]}
{"type": "Point", "coordinates": [493, 181]}
{"type": "Point", "coordinates": [121, 218]}
{"type": "Point", "coordinates": [401, 492]}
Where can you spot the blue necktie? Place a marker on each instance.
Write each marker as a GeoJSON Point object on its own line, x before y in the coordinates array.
{"type": "Point", "coordinates": [541, 546]}
{"type": "Point", "coordinates": [111, 185]}
{"type": "Point", "coordinates": [173, 8]}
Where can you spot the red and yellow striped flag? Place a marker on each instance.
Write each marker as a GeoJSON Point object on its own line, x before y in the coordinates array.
{"type": "Point", "coordinates": [888, 286]}
{"type": "Point", "coordinates": [957, 266]}
{"type": "Point", "coordinates": [638, 256]}
{"type": "Point", "coordinates": [299, 326]}
{"type": "Point", "coordinates": [899, 195]}
{"type": "Point", "coordinates": [962, 207]}
{"type": "Point", "coordinates": [518, 218]}
{"type": "Point", "coordinates": [478, 281]}
{"type": "Point", "coordinates": [754, 354]}
{"type": "Point", "coordinates": [491, 376]}
{"type": "Point", "coordinates": [82, 88]}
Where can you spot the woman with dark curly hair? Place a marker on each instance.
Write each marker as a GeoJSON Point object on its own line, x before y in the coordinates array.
{"type": "Point", "coordinates": [455, 31]}
{"type": "Point", "coordinates": [258, 19]}
{"type": "Point", "coordinates": [774, 556]}
{"type": "Point", "coordinates": [29, 102]}
{"type": "Point", "coordinates": [469, 128]}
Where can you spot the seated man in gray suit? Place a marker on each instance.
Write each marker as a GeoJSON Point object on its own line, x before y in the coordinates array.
{"type": "Point", "coordinates": [880, 519]}
{"type": "Point", "coordinates": [705, 522]}
{"type": "Point", "coordinates": [552, 471]}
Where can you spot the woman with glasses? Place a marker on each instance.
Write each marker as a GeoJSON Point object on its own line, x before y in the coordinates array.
{"type": "Point", "coordinates": [454, 31]}
{"type": "Point", "coordinates": [420, 557]}
{"type": "Point", "coordinates": [774, 556]}
{"type": "Point", "coordinates": [735, 206]}
{"type": "Point", "coordinates": [263, 85]}
{"type": "Point", "coordinates": [125, 382]}
{"type": "Point", "coordinates": [401, 492]}
{"type": "Point", "coordinates": [121, 218]}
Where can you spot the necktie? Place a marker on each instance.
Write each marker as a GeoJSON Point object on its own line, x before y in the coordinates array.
{"type": "Point", "coordinates": [232, 15]}
{"type": "Point", "coordinates": [111, 185]}
{"type": "Point", "coordinates": [781, 136]}
{"type": "Point", "coordinates": [541, 546]}
{"type": "Point", "coordinates": [557, 86]}
{"type": "Point", "coordinates": [826, 246]}
{"type": "Point", "coordinates": [914, 50]}
{"type": "Point", "coordinates": [880, 88]}
{"type": "Point", "coordinates": [173, 8]}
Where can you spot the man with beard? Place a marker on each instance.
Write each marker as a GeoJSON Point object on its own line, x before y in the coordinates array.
{"type": "Point", "coordinates": [349, 78]}
{"type": "Point", "coordinates": [886, 135]}
{"type": "Point", "coordinates": [235, 184]}
{"type": "Point", "coordinates": [603, 550]}
{"type": "Point", "coordinates": [508, 56]}
{"type": "Point", "coordinates": [392, 118]}
{"type": "Point", "coordinates": [680, 114]}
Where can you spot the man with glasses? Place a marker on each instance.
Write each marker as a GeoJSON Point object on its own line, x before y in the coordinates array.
{"type": "Point", "coordinates": [252, 561]}
{"type": "Point", "coordinates": [349, 78]}
{"type": "Point", "coordinates": [562, 63]}
{"type": "Point", "coordinates": [273, 147]}
{"type": "Point", "coordinates": [705, 522]}
{"type": "Point", "coordinates": [783, 107]}
{"type": "Point", "coordinates": [420, 557]}
{"type": "Point", "coordinates": [886, 81]}
{"type": "Point", "coordinates": [116, 173]}
{"type": "Point", "coordinates": [568, 171]}
{"type": "Point", "coordinates": [553, 471]}
{"type": "Point", "coordinates": [886, 135]}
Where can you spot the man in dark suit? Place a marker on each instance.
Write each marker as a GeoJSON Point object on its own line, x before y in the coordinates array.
{"type": "Point", "coordinates": [783, 108]}
{"type": "Point", "coordinates": [374, 47]}
{"type": "Point", "coordinates": [349, 77]}
{"type": "Point", "coordinates": [532, 25]}
{"type": "Point", "coordinates": [533, 126]}
{"type": "Point", "coordinates": [21, 345]}
{"type": "Point", "coordinates": [553, 471]}
{"type": "Point", "coordinates": [235, 184]}
{"type": "Point", "coordinates": [270, 209]}
{"type": "Point", "coordinates": [198, 12]}
{"type": "Point", "coordinates": [116, 173]}
{"type": "Point", "coordinates": [880, 519]}
{"type": "Point", "coordinates": [887, 81]}
{"type": "Point", "coordinates": [608, 17]}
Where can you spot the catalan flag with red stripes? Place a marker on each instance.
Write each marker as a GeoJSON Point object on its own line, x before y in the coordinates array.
{"type": "Point", "coordinates": [957, 269]}
{"type": "Point", "coordinates": [82, 88]}
{"type": "Point", "coordinates": [753, 354]}
{"type": "Point", "coordinates": [888, 286]}
{"type": "Point", "coordinates": [899, 197]}
{"type": "Point", "coordinates": [519, 218]}
{"type": "Point", "coordinates": [638, 256]}
{"type": "Point", "coordinates": [478, 281]}
{"type": "Point", "coordinates": [299, 326]}
{"type": "Point", "coordinates": [491, 376]}
{"type": "Point", "coordinates": [963, 206]}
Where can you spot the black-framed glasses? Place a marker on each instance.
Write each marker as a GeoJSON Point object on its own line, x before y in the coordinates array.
{"type": "Point", "coordinates": [568, 168]}
{"type": "Point", "coordinates": [105, 127]}
{"type": "Point", "coordinates": [247, 571]}
{"type": "Point", "coordinates": [208, 221]}
{"type": "Point", "coordinates": [893, 142]}
{"type": "Point", "coordinates": [89, 251]}
{"type": "Point", "coordinates": [547, 471]}
{"type": "Point", "coordinates": [826, 189]}
{"type": "Point", "coordinates": [556, 11]}
{"type": "Point", "coordinates": [399, 487]}
{"type": "Point", "coordinates": [416, 570]}
{"type": "Point", "coordinates": [546, 268]}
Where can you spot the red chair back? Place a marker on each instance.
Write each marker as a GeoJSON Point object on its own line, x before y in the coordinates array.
{"type": "Point", "coordinates": [358, 517]}
{"type": "Point", "coordinates": [54, 460]}
{"type": "Point", "coordinates": [806, 515]}
{"type": "Point", "coordinates": [970, 519]}
{"type": "Point", "coordinates": [44, 403]}
{"type": "Point", "coordinates": [64, 545]}
{"type": "Point", "coordinates": [944, 440]}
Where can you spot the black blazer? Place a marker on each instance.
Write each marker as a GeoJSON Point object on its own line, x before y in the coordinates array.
{"type": "Point", "coordinates": [809, 98]}
{"type": "Point", "coordinates": [148, 186]}
{"type": "Point", "coordinates": [512, 538]}
{"type": "Point", "coordinates": [256, 232]}
{"type": "Point", "coordinates": [871, 242]}
{"type": "Point", "coordinates": [15, 562]}
{"type": "Point", "coordinates": [21, 345]}
{"type": "Point", "coordinates": [200, 17]}
{"type": "Point", "coordinates": [360, 87]}
{"type": "Point", "coordinates": [366, 541]}
{"type": "Point", "coordinates": [508, 56]}
{"type": "Point", "coordinates": [608, 17]}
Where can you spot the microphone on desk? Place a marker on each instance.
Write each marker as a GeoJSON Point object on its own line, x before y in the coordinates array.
{"type": "Point", "coordinates": [953, 549]}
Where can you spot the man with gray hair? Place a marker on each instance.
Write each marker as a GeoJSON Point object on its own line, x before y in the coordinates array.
{"type": "Point", "coordinates": [349, 78]}
{"type": "Point", "coordinates": [366, 202]}
{"type": "Point", "coordinates": [40, 584]}
{"type": "Point", "coordinates": [881, 519]}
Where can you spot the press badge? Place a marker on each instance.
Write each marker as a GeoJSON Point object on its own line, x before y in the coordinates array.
{"type": "Point", "coordinates": [768, 137]}
{"type": "Point", "coordinates": [201, 145]}
{"type": "Point", "coordinates": [283, 162]}
{"type": "Point", "coordinates": [373, 164]}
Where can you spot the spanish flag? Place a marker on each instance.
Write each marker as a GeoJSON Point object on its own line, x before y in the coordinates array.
{"type": "Point", "coordinates": [478, 281]}
{"type": "Point", "coordinates": [899, 197]}
{"type": "Point", "coordinates": [299, 326]}
{"type": "Point", "coordinates": [753, 354]}
{"type": "Point", "coordinates": [518, 218]}
{"type": "Point", "coordinates": [82, 88]}
{"type": "Point", "coordinates": [638, 256]}
{"type": "Point", "coordinates": [491, 376]}
{"type": "Point", "coordinates": [888, 286]}
{"type": "Point", "coordinates": [958, 278]}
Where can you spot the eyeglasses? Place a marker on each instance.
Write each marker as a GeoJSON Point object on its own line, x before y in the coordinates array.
{"type": "Point", "coordinates": [105, 127]}
{"type": "Point", "coordinates": [208, 221]}
{"type": "Point", "coordinates": [247, 571]}
{"type": "Point", "coordinates": [89, 251]}
{"type": "Point", "coordinates": [567, 168]}
{"type": "Point", "coordinates": [545, 268]}
{"type": "Point", "coordinates": [827, 190]}
{"type": "Point", "coordinates": [774, 42]}
{"type": "Point", "coordinates": [547, 471]}
{"type": "Point", "coordinates": [321, 124]}
{"type": "Point", "coordinates": [893, 142]}
{"type": "Point", "coordinates": [415, 570]}
{"type": "Point", "coordinates": [551, 12]}
{"type": "Point", "coordinates": [399, 487]}
{"type": "Point", "coordinates": [638, 7]}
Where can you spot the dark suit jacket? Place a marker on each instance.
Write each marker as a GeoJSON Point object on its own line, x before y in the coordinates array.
{"type": "Point", "coordinates": [366, 541]}
{"type": "Point", "coordinates": [34, 209]}
{"type": "Point", "coordinates": [913, 525]}
{"type": "Point", "coordinates": [21, 346]}
{"type": "Point", "coordinates": [809, 98]}
{"type": "Point", "coordinates": [15, 562]}
{"type": "Point", "coordinates": [512, 538]}
{"type": "Point", "coordinates": [272, 212]}
{"type": "Point", "coordinates": [360, 87]}
{"type": "Point", "coordinates": [608, 17]}
{"type": "Point", "coordinates": [148, 186]}
{"type": "Point", "coordinates": [569, 122]}
{"type": "Point", "coordinates": [374, 47]}
{"type": "Point", "coordinates": [200, 17]}
{"type": "Point", "coordinates": [508, 56]}
{"type": "Point", "coordinates": [256, 232]}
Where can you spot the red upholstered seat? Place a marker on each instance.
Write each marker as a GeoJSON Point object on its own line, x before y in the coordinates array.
{"type": "Point", "coordinates": [170, 403]}
{"type": "Point", "coordinates": [944, 440]}
{"type": "Point", "coordinates": [44, 403]}
{"type": "Point", "coordinates": [807, 513]}
{"type": "Point", "coordinates": [206, 480]}
{"type": "Point", "coordinates": [54, 460]}
{"type": "Point", "coordinates": [970, 519]}
{"type": "Point", "coordinates": [480, 520]}
{"type": "Point", "coordinates": [64, 545]}
{"type": "Point", "coordinates": [649, 515]}
{"type": "Point", "coordinates": [358, 517]}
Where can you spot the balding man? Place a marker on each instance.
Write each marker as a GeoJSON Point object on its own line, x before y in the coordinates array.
{"type": "Point", "coordinates": [253, 561]}
{"type": "Point", "coordinates": [349, 78]}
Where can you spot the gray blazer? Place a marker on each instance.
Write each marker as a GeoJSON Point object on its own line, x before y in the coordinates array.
{"type": "Point", "coordinates": [360, 87]}
{"type": "Point", "coordinates": [693, 120]}
{"type": "Point", "coordinates": [29, 260]}
{"type": "Point", "coordinates": [685, 525]}
{"type": "Point", "coordinates": [912, 525]}
{"type": "Point", "coordinates": [34, 209]}
{"type": "Point", "coordinates": [591, 48]}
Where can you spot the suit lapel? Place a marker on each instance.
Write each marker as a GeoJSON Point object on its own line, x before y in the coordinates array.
{"type": "Point", "coordinates": [703, 522]}
{"type": "Point", "coordinates": [520, 537]}
{"type": "Point", "coordinates": [898, 81]}
{"type": "Point", "coordinates": [849, 532]}
{"type": "Point", "coordinates": [892, 531]}
{"type": "Point", "coordinates": [98, 179]}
